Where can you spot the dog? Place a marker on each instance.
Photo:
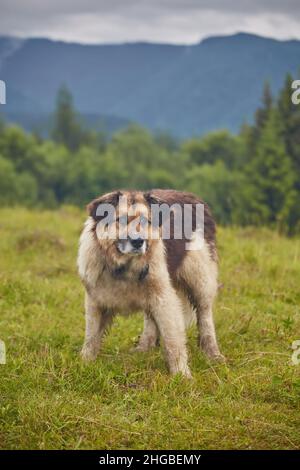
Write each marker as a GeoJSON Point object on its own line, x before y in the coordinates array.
{"type": "Point", "coordinates": [171, 279]}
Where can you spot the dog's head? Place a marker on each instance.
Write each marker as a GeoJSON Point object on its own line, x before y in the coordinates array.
{"type": "Point", "coordinates": [123, 222]}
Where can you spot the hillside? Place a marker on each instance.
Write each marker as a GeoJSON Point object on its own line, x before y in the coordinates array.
{"type": "Point", "coordinates": [184, 89]}
{"type": "Point", "coordinates": [127, 400]}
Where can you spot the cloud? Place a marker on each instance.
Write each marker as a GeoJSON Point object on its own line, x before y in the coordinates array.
{"type": "Point", "coordinates": [174, 21]}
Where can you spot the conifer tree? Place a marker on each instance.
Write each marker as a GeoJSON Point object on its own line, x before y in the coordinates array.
{"type": "Point", "coordinates": [66, 127]}
{"type": "Point", "coordinates": [271, 173]}
{"type": "Point", "coordinates": [252, 133]}
{"type": "Point", "coordinates": [290, 117]}
{"type": "Point", "coordinates": [290, 122]}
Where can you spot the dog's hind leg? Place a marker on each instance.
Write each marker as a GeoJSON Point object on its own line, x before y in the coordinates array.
{"type": "Point", "coordinates": [97, 321]}
{"type": "Point", "coordinates": [199, 280]}
{"type": "Point", "coordinates": [150, 336]}
{"type": "Point", "coordinates": [167, 313]}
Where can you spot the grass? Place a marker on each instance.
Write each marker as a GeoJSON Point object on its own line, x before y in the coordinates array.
{"type": "Point", "coordinates": [50, 400]}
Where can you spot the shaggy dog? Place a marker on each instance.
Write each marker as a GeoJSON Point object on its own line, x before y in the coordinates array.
{"type": "Point", "coordinates": [169, 278]}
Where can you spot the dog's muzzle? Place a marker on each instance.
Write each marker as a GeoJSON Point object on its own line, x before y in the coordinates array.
{"type": "Point", "coordinates": [132, 246]}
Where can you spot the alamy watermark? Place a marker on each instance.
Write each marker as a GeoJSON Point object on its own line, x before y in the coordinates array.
{"type": "Point", "coordinates": [2, 352]}
{"type": "Point", "coordinates": [2, 92]}
{"type": "Point", "coordinates": [296, 352]}
{"type": "Point", "coordinates": [296, 93]}
{"type": "Point", "coordinates": [159, 221]}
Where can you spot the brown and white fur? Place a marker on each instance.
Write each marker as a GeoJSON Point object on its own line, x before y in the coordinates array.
{"type": "Point", "coordinates": [162, 279]}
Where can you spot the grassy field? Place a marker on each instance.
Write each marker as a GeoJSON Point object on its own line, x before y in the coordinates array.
{"type": "Point", "coordinates": [125, 400]}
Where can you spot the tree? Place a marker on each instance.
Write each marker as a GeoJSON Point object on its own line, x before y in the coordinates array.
{"type": "Point", "coordinates": [66, 126]}
{"type": "Point", "coordinates": [290, 124]}
{"type": "Point", "coordinates": [16, 188]}
{"type": "Point", "coordinates": [18, 147]}
{"type": "Point", "coordinates": [221, 188]}
{"type": "Point", "coordinates": [215, 146]}
{"type": "Point", "coordinates": [290, 117]}
{"type": "Point", "coordinates": [252, 134]}
{"type": "Point", "coordinates": [271, 173]}
{"type": "Point", "coordinates": [2, 124]}
{"type": "Point", "coordinates": [263, 112]}
{"type": "Point", "coordinates": [134, 159]}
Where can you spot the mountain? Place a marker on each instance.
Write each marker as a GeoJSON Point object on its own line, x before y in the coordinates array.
{"type": "Point", "coordinates": [183, 89]}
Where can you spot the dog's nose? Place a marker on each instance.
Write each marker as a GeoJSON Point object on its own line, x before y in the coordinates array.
{"type": "Point", "coordinates": [137, 242]}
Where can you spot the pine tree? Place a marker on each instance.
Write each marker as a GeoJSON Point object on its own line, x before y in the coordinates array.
{"type": "Point", "coordinates": [290, 116]}
{"type": "Point", "coordinates": [2, 124]}
{"type": "Point", "coordinates": [66, 127]}
{"type": "Point", "coordinates": [290, 122]}
{"type": "Point", "coordinates": [271, 173]}
{"type": "Point", "coordinates": [262, 113]}
{"type": "Point", "coordinates": [252, 133]}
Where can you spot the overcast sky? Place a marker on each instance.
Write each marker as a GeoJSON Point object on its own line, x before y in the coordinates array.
{"type": "Point", "coordinates": [173, 21]}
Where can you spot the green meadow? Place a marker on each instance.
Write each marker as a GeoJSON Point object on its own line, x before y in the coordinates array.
{"type": "Point", "coordinates": [49, 399]}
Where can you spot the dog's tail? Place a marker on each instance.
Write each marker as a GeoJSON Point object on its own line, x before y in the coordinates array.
{"type": "Point", "coordinates": [190, 318]}
{"type": "Point", "coordinates": [189, 313]}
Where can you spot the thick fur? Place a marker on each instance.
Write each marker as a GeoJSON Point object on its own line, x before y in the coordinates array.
{"type": "Point", "coordinates": [167, 282]}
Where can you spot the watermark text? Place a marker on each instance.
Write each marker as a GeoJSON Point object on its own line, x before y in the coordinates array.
{"type": "Point", "coordinates": [296, 93]}
{"type": "Point", "coordinates": [2, 92]}
{"type": "Point", "coordinates": [2, 352]}
{"type": "Point", "coordinates": [296, 352]}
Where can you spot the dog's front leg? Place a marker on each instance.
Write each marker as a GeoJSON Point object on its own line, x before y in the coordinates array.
{"type": "Point", "coordinates": [167, 312]}
{"type": "Point", "coordinates": [97, 320]}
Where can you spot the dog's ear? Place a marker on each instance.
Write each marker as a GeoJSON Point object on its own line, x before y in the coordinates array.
{"type": "Point", "coordinates": [109, 198]}
{"type": "Point", "coordinates": [153, 199]}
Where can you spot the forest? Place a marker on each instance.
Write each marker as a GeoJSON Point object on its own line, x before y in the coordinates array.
{"type": "Point", "coordinates": [249, 178]}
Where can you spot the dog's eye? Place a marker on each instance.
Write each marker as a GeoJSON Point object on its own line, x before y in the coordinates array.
{"type": "Point", "coordinates": [122, 220]}
{"type": "Point", "coordinates": [144, 221]}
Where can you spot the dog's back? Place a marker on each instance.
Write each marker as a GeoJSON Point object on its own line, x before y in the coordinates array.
{"type": "Point", "coordinates": [176, 247]}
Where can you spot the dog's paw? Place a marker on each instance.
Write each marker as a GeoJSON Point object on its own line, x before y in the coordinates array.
{"type": "Point", "coordinates": [218, 358]}
{"type": "Point", "coordinates": [144, 347]}
{"type": "Point", "coordinates": [182, 371]}
{"type": "Point", "coordinates": [88, 354]}
{"type": "Point", "coordinates": [139, 348]}
{"type": "Point", "coordinates": [146, 344]}
{"type": "Point", "coordinates": [187, 374]}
